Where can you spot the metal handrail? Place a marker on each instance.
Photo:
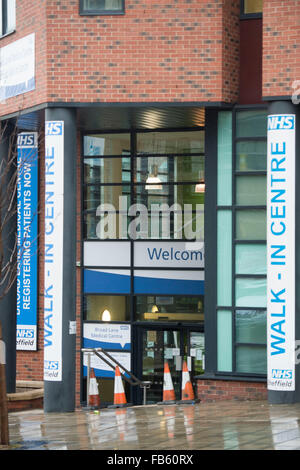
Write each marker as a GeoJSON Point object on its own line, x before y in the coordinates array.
{"type": "Point", "coordinates": [132, 379]}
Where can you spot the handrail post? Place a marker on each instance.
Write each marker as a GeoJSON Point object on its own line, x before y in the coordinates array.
{"type": "Point", "coordinates": [88, 377]}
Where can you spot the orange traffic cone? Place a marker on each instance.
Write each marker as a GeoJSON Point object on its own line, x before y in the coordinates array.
{"type": "Point", "coordinates": [168, 388]}
{"type": "Point", "coordinates": [187, 393]}
{"type": "Point", "coordinates": [119, 394]}
{"type": "Point", "coordinates": [94, 397]}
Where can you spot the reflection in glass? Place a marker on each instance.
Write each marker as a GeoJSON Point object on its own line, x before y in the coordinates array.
{"type": "Point", "coordinates": [162, 308]}
{"type": "Point", "coordinates": [253, 6]}
{"type": "Point", "coordinates": [106, 144]}
{"type": "Point", "coordinates": [170, 142]}
{"type": "Point", "coordinates": [251, 292]}
{"type": "Point", "coordinates": [98, 5]}
{"type": "Point", "coordinates": [251, 190]}
{"type": "Point", "coordinates": [251, 155]}
{"type": "Point", "coordinates": [171, 169]}
{"type": "Point", "coordinates": [251, 123]}
{"type": "Point", "coordinates": [95, 306]}
{"type": "Point", "coordinates": [169, 194]}
{"type": "Point", "coordinates": [107, 170]}
{"type": "Point", "coordinates": [251, 359]}
{"type": "Point", "coordinates": [251, 326]}
{"type": "Point", "coordinates": [96, 227]}
{"type": "Point", "coordinates": [96, 195]}
{"type": "Point", "coordinates": [251, 224]}
{"type": "Point", "coordinates": [251, 258]}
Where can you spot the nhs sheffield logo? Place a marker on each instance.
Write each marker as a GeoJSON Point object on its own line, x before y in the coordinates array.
{"type": "Point", "coordinates": [25, 333]}
{"type": "Point", "coordinates": [282, 374]}
{"type": "Point", "coordinates": [54, 127]}
{"type": "Point", "coordinates": [281, 122]}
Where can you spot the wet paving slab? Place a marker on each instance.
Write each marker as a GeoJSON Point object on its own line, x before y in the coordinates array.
{"type": "Point", "coordinates": [203, 426]}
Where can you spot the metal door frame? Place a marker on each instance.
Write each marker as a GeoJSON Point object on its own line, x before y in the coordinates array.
{"type": "Point", "coordinates": [139, 330]}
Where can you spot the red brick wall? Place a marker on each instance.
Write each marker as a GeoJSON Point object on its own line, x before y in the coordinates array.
{"type": "Point", "coordinates": [213, 390]}
{"type": "Point", "coordinates": [281, 46]}
{"type": "Point", "coordinates": [30, 18]}
{"type": "Point", "coordinates": [179, 50]}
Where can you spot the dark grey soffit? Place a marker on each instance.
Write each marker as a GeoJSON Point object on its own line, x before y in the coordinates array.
{"type": "Point", "coordinates": [124, 116]}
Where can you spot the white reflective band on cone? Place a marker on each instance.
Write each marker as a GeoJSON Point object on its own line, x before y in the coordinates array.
{"type": "Point", "coordinates": [93, 390]}
{"type": "Point", "coordinates": [2, 352]}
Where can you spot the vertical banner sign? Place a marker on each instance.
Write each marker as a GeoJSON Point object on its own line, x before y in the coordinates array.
{"type": "Point", "coordinates": [54, 211]}
{"type": "Point", "coordinates": [281, 252]}
{"type": "Point", "coordinates": [27, 231]}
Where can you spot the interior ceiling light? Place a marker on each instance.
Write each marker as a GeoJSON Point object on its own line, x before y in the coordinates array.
{"type": "Point", "coordinates": [106, 315]}
{"type": "Point", "coordinates": [153, 181]}
{"type": "Point", "coordinates": [200, 187]}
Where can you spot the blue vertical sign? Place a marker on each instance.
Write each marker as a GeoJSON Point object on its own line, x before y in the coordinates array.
{"type": "Point", "coordinates": [27, 231]}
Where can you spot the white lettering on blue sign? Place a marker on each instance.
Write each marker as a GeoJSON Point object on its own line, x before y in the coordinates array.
{"type": "Point", "coordinates": [27, 233]}
{"type": "Point", "coordinates": [281, 252]}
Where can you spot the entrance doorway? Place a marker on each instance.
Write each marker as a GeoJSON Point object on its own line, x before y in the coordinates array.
{"type": "Point", "coordinates": [172, 345]}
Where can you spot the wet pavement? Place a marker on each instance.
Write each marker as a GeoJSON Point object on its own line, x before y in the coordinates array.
{"type": "Point", "coordinates": [204, 426]}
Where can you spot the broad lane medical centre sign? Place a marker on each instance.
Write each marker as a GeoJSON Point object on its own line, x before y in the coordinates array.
{"type": "Point", "coordinates": [281, 252]}
{"type": "Point", "coordinates": [27, 231]}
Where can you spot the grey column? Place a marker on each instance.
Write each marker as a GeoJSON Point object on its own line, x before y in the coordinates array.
{"type": "Point", "coordinates": [8, 304]}
{"type": "Point", "coordinates": [60, 396]}
{"type": "Point", "coordinates": [278, 397]}
{"type": "Point", "coordinates": [210, 230]}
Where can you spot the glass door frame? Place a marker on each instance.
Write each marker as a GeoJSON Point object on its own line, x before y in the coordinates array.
{"type": "Point", "coordinates": [139, 331]}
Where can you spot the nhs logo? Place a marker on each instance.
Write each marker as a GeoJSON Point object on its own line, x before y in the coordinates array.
{"type": "Point", "coordinates": [51, 365]}
{"type": "Point", "coordinates": [54, 127]}
{"type": "Point", "coordinates": [26, 140]}
{"type": "Point", "coordinates": [281, 122]}
{"type": "Point", "coordinates": [282, 374]}
{"type": "Point", "coordinates": [25, 333]}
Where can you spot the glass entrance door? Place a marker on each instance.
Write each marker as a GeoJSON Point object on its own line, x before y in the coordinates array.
{"type": "Point", "coordinates": [172, 346]}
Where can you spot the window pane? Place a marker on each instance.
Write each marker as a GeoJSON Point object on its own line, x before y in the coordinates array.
{"type": "Point", "coordinates": [224, 268]}
{"type": "Point", "coordinates": [251, 190]}
{"type": "Point", "coordinates": [251, 359]}
{"type": "Point", "coordinates": [96, 195]}
{"type": "Point", "coordinates": [251, 123]}
{"type": "Point", "coordinates": [251, 292]}
{"type": "Point", "coordinates": [113, 226]}
{"type": "Point", "coordinates": [224, 333]}
{"type": "Point", "coordinates": [251, 259]}
{"type": "Point", "coordinates": [251, 326]}
{"type": "Point", "coordinates": [167, 308]}
{"type": "Point", "coordinates": [106, 144]}
{"type": "Point", "coordinates": [253, 6]}
{"type": "Point", "coordinates": [251, 224]}
{"type": "Point", "coordinates": [170, 169]}
{"type": "Point", "coordinates": [11, 15]}
{"type": "Point", "coordinates": [224, 158]}
{"type": "Point", "coordinates": [107, 170]}
{"type": "Point", "coordinates": [169, 194]}
{"type": "Point", "coordinates": [251, 155]}
{"type": "Point", "coordinates": [171, 142]}
{"type": "Point", "coordinates": [103, 307]}
{"type": "Point", "coordinates": [94, 5]}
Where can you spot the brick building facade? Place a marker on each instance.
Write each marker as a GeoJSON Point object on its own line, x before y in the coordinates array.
{"type": "Point", "coordinates": [176, 66]}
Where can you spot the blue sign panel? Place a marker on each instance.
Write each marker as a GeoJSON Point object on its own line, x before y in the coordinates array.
{"type": "Point", "coordinates": [27, 230]}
